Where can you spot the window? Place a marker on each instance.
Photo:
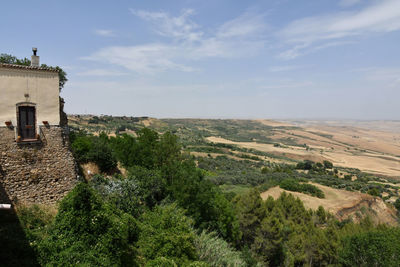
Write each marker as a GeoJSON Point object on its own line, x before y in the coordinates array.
{"type": "Point", "coordinates": [27, 123]}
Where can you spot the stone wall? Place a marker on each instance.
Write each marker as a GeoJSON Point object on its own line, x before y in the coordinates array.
{"type": "Point", "coordinates": [42, 172]}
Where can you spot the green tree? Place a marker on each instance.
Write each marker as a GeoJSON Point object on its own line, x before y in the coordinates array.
{"type": "Point", "coordinates": [152, 185]}
{"type": "Point", "coordinates": [374, 192]}
{"type": "Point", "coordinates": [167, 232]}
{"type": "Point", "coordinates": [216, 251]}
{"type": "Point", "coordinates": [373, 248]}
{"type": "Point", "coordinates": [397, 204]}
{"type": "Point", "coordinates": [102, 154]}
{"type": "Point", "coordinates": [87, 231]}
{"type": "Point", "coordinates": [328, 164]}
{"type": "Point", "coordinates": [204, 201]}
{"type": "Point", "coordinates": [251, 212]}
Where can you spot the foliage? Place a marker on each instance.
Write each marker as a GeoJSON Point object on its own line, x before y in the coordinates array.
{"type": "Point", "coordinates": [379, 247]}
{"type": "Point", "coordinates": [130, 220]}
{"type": "Point", "coordinates": [167, 232]}
{"type": "Point", "coordinates": [123, 194]}
{"type": "Point", "coordinates": [160, 170]}
{"type": "Point", "coordinates": [251, 211]}
{"type": "Point", "coordinates": [34, 219]}
{"type": "Point", "coordinates": [152, 186]}
{"type": "Point", "coordinates": [216, 251]}
{"type": "Point", "coordinates": [88, 232]}
{"type": "Point", "coordinates": [397, 204]}
{"type": "Point", "coordinates": [294, 185]}
{"type": "Point", "coordinates": [16, 242]}
{"type": "Point", "coordinates": [328, 164]}
{"type": "Point", "coordinates": [282, 232]}
{"type": "Point", "coordinates": [101, 154]}
{"type": "Point", "coordinates": [87, 148]}
{"type": "Point", "coordinates": [374, 192]}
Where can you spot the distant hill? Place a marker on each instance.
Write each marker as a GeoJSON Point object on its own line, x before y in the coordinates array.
{"type": "Point", "coordinates": [372, 147]}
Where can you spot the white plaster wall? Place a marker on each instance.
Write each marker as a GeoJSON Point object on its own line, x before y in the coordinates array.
{"type": "Point", "coordinates": [43, 90]}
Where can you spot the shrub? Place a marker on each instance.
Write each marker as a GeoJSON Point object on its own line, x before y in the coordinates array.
{"type": "Point", "coordinates": [96, 149]}
{"type": "Point", "coordinates": [328, 164]}
{"type": "Point", "coordinates": [88, 232]}
{"type": "Point", "coordinates": [397, 204]}
{"type": "Point", "coordinates": [101, 154]}
{"type": "Point", "coordinates": [305, 165]}
{"type": "Point", "coordinates": [374, 192]}
{"type": "Point", "coordinates": [205, 202]}
{"type": "Point", "coordinates": [372, 248]}
{"type": "Point", "coordinates": [216, 251]}
{"type": "Point", "coordinates": [34, 219]}
{"type": "Point", "coordinates": [161, 261]}
{"type": "Point", "coordinates": [348, 177]}
{"type": "Point", "coordinates": [124, 194]}
{"type": "Point", "coordinates": [167, 232]}
{"type": "Point", "coordinates": [152, 185]}
{"type": "Point", "coordinates": [293, 185]}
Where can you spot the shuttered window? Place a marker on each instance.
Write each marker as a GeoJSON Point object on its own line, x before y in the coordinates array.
{"type": "Point", "coordinates": [26, 123]}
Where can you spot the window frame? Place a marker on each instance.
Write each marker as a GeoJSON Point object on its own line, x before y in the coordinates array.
{"type": "Point", "coordinates": [19, 133]}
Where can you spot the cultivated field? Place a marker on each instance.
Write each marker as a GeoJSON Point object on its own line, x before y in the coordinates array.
{"type": "Point", "coordinates": [370, 146]}
{"type": "Point", "coordinates": [361, 146]}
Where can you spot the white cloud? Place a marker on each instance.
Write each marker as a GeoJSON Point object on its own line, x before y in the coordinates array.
{"type": "Point", "coordinates": [180, 27]}
{"type": "Point", "coordinates": [382, 16]}
{"type": "Point", "coordinates": [248, 24]}
{"type": "Point", "coordinates": [186, 42]}
{"type": "Point", "coordinates": [105, 33]}
{"type": "Point", "coordinates": [146, 59]}
{"type": "Point", "coordinates": [347, 3]}
{"type": "Point", "coordinates": [301, 50]}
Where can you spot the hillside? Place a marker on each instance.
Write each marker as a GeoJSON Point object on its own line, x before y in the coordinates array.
{"type": "Point", "coordinates": [193, 199]}
{"type": "Point", "coordinates": [343, 204]}
{"type": "Point", "coordinates": [372, 147]}
{"type": "Point", "coordinates": [241, 154]}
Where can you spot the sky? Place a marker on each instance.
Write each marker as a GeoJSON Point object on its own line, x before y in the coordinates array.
{"type": "Point", "coordinates": [279, 59]}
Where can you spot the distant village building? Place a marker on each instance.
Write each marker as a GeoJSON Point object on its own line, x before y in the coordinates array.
{"type": "Point", "coordinates": [36, 164]}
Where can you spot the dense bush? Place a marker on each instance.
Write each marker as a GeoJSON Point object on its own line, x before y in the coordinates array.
{"type": "Point", "coordinates": [161, 171]}
{"type": "Point", "coordinates": [167, 232]}
{"type": "Point", "coordinates": [373, 248]}
{"type": "Point", "coordinates": [294, 185]}
{"type": "Point", "coordinates": [328, 164]}
{"type": "Point", "coordinates": [95, 149]}
{"type": "Point", "coordinates": [397, 204]}
{"type": "Point", "coordinates": [35, 219]}
{"type": "Point", "coordinates": [128, 221]}
{"type": "Point", "coordinates": [282, 232]}
{"type": "Point", "coordinates": [88, 232]}
{"type": "Point", "coordinates": [216, 251]}
{"type": "Point", "coordinates": [123, 194]}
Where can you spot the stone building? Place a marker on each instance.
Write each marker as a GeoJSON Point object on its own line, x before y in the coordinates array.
{"type": "Point", "coordinates": [36, 164]}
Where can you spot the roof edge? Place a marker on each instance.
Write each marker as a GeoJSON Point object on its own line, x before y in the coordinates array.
{"type": "Point", "coordinates": [23, 67]}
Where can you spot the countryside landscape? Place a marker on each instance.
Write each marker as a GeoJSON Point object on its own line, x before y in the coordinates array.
{"type": "Point", "coordinates": [365, 156]}
{"type": "Point", "coordinates": [200, 133]}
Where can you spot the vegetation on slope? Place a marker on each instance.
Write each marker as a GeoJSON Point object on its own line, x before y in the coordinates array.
{"type": "Point", "coordinates": [161, 213]}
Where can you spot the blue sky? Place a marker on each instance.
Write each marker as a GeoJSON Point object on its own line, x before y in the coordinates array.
{"type": "Point", "coordinates": [279, 59]}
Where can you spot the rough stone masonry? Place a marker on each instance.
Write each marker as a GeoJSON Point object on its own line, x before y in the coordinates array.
{"type": "Point", "coordinates": [37, 172]}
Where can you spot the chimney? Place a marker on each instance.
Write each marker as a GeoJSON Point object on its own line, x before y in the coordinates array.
{"type": "Point", "coordinates": [34, 58]}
